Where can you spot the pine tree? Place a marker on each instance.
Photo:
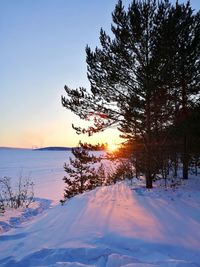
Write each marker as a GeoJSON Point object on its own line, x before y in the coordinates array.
{"type": "Point", "coordinates": [134, 75]}
{"type": "Point", "coordinates": [121, 74]}
{"type": "Point", "coordinates": [81, 175]}
{"type": "Point", "coordinates": [100, 178]}
{"type": "Point", "coordinates": [186, 69]}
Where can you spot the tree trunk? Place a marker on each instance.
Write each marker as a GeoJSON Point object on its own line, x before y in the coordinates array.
{"type": "Point", "coordinates": [185, 139]}
{"type": "Point", "coordinates": [185, 158]}
{"type": "Point", "coordinates": [136, 167]}
{"type": "Point", "coordinates": [196, 165]}
{"type": "Point", "coordinates": [175, 165]}
{"type": "Point", "coordinates": [149, 183]}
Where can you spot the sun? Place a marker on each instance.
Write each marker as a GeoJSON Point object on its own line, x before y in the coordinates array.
{"type": "Point", "coordinates": [112, 147]}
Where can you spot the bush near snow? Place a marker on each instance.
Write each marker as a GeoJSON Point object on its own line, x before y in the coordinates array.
{"type": "Point", "coordinates": [20, 196]}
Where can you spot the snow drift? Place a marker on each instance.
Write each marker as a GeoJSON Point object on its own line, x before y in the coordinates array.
{"type": "Point", "coordinates": [111, 226]}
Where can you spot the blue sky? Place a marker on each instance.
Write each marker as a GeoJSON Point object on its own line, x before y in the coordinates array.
{"type": "Point", "coordinates": [42, 48]}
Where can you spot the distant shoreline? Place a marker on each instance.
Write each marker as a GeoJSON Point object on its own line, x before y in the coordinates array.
{"type": "Point", "coordinates": [50, 148]}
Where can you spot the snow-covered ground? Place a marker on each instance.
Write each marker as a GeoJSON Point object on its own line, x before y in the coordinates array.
{"type": "Point", "coordinates": [112, 226]}
{"type": "Point", "coordinates": [44, 168]}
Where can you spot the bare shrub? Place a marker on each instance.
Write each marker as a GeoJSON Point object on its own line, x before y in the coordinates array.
{"type": "Point", "coordinates": [2, 208]}
{"type": "Point", "coordinates": [14, 197]}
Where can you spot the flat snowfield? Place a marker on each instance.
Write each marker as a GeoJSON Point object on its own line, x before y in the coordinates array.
{"type": "Point", "coordinates": [44, 168]}
{"type": "Point", "coordinates": [111, 226]}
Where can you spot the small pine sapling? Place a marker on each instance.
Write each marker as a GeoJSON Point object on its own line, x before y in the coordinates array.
{"type": "Point", "coordinates": [81, 175]}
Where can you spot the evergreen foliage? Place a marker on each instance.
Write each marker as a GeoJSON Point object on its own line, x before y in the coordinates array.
{"type": "Point", "coordinates": [81, 175]}
{"type": "Point", "coordinates": [146, 80]}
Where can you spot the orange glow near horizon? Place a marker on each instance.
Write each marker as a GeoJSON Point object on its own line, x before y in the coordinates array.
{"type": "Point", "coordinates": [57, 135]}
{"type": "Point", "coordinates": [112, 147]}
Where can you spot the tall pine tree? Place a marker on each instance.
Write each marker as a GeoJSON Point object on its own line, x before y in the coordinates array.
{"type": "Point", "coordinates": [186, 70]}
{"type": "Point", "coordinates": [132, 74]}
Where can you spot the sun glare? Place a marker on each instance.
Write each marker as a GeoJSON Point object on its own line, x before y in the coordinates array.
{"type": "Point", "coordinates": [112, 147]}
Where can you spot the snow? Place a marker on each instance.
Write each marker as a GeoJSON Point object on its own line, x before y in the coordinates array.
{"type": "Point", "coordinates": [44, 168]}
{"type": "Point", "coordinates": [113, 226]}
{"type": "Point", "coordinates": [14, 217]}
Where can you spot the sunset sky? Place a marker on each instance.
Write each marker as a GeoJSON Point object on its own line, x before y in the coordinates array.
{"type": "Point", "coordinates": [42, 48]}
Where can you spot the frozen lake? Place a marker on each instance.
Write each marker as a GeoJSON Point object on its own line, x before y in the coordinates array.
{"type": "Point", "coordinates": [44, 168]}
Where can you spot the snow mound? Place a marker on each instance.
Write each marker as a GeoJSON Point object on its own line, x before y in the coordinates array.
{"type": "Point", "coordinates": [110, 226]}
{"type": "Point", "coordinates": [12, 218]}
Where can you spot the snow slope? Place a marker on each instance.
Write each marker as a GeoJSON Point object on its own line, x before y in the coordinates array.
{"type": "Point", "coordinates": [111, 226]}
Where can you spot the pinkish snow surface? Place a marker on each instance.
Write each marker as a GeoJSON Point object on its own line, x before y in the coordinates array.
{"type": "Point", "coordinates": [110, 226]}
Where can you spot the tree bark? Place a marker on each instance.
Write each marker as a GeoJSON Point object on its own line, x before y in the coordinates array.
{"type": "Point", "coordinates": [148, 174]}
{"type": "Point", "coordinates": [185, 157]}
